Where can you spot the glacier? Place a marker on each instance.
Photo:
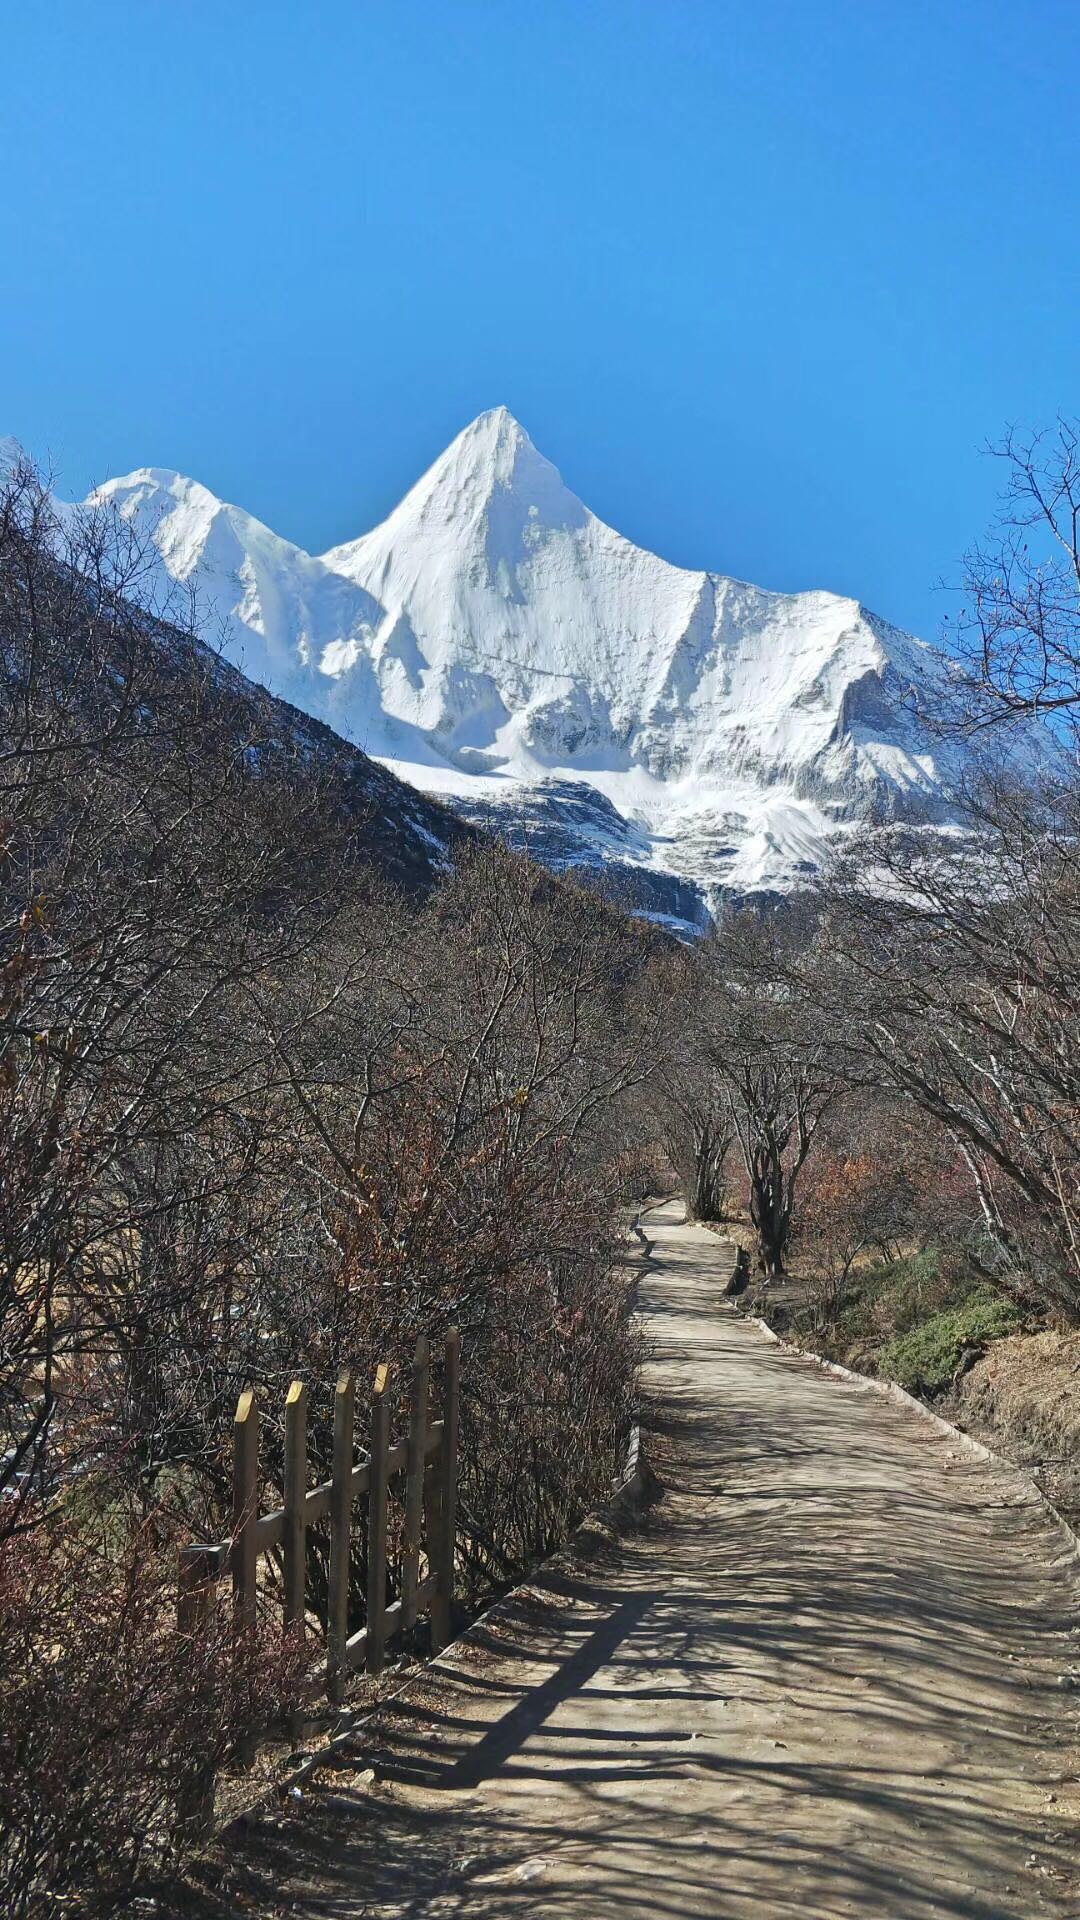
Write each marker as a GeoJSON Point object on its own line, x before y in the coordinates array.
{"type": "Point", "coordinates": [496, 644]}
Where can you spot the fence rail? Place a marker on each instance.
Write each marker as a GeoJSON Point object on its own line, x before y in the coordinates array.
{"type": "Point", "coordinates": [424, 1461]}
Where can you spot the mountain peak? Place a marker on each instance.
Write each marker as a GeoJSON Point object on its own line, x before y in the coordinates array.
{"type": "Point", "coordinates": [488, 487]}
{"type": "Point", "coordinates": [493, 451]}
{"type": "Point", "coordinates": [499, 422]}
{"type": "Point", "coordinates": [153, 480]}
{"type": "Point", "coordinates": [495, 437]}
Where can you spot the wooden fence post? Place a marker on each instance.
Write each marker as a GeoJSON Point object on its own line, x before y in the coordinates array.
{"type": "Point", "coordinates": [245, 1552]}
{"type": "Point", "coordinates": [337, 1611]}
{"type": "Point", "coordinates": [295, 1495]}
{"type": "Point", "coordinates": [433, 1533]}
{"type": "Point", "coordinates": [377, 1497]}
{"type": "Point", "coordinates": [294, 1540]}
{"type": "Point", "coordinates": [414, 1482]}
{"type": "Point", "coordinates": [196, 1808]}
{"type": "Point", "coordinates": [245, 1515]}
{"type": "Point", "coordinates": [442, 1606]}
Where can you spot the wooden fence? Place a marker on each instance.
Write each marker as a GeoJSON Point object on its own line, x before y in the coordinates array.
{"type": "Point", "coordinates": [425, 1460]}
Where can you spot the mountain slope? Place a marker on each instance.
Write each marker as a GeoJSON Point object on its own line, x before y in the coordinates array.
{"type": "Point", "coordinates": [492, 640]}
{"type": "Point", "coordinates": [406, 835]}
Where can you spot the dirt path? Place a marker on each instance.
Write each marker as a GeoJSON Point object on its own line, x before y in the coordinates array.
{"type": "Point", "coordinates": [822, 1676]}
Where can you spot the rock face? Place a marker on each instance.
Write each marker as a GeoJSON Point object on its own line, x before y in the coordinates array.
{"type": "Point", "coordinates": [496, 643]}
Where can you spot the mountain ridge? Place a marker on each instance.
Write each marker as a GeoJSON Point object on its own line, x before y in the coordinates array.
{"type": "Point", "coordinates": [492, 640]}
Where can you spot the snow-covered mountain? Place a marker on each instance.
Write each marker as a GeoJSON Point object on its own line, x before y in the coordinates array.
{"type": "Point", "coordinates": [496, 643]}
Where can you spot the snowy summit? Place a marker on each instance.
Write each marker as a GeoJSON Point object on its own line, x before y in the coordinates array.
{"type": "Point", "coordinates": [496, 643]}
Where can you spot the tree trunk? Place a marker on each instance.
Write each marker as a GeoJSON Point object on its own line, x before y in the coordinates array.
{"type": "Point", "coordinates": [705, 1192]}
{"type": "Point", "coordinates": [770, 1217]}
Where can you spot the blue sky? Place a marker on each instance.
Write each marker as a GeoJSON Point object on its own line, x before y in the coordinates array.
{"type": "Point", "coordinates": [759, 278]}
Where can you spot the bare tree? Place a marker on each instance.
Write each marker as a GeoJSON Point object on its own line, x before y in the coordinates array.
{"type": "Point", "coordinates": [746, 1064]}
{"type": "Point", "coordinates": [689, 1097]}
{"type": "Point", "coordinates": [1018, 633]}
{"type": "Point", "coordinates": [953, 979]}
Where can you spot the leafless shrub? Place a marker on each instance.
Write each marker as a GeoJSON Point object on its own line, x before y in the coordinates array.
{"type": "Point", "coordinates": [108, 1717]}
